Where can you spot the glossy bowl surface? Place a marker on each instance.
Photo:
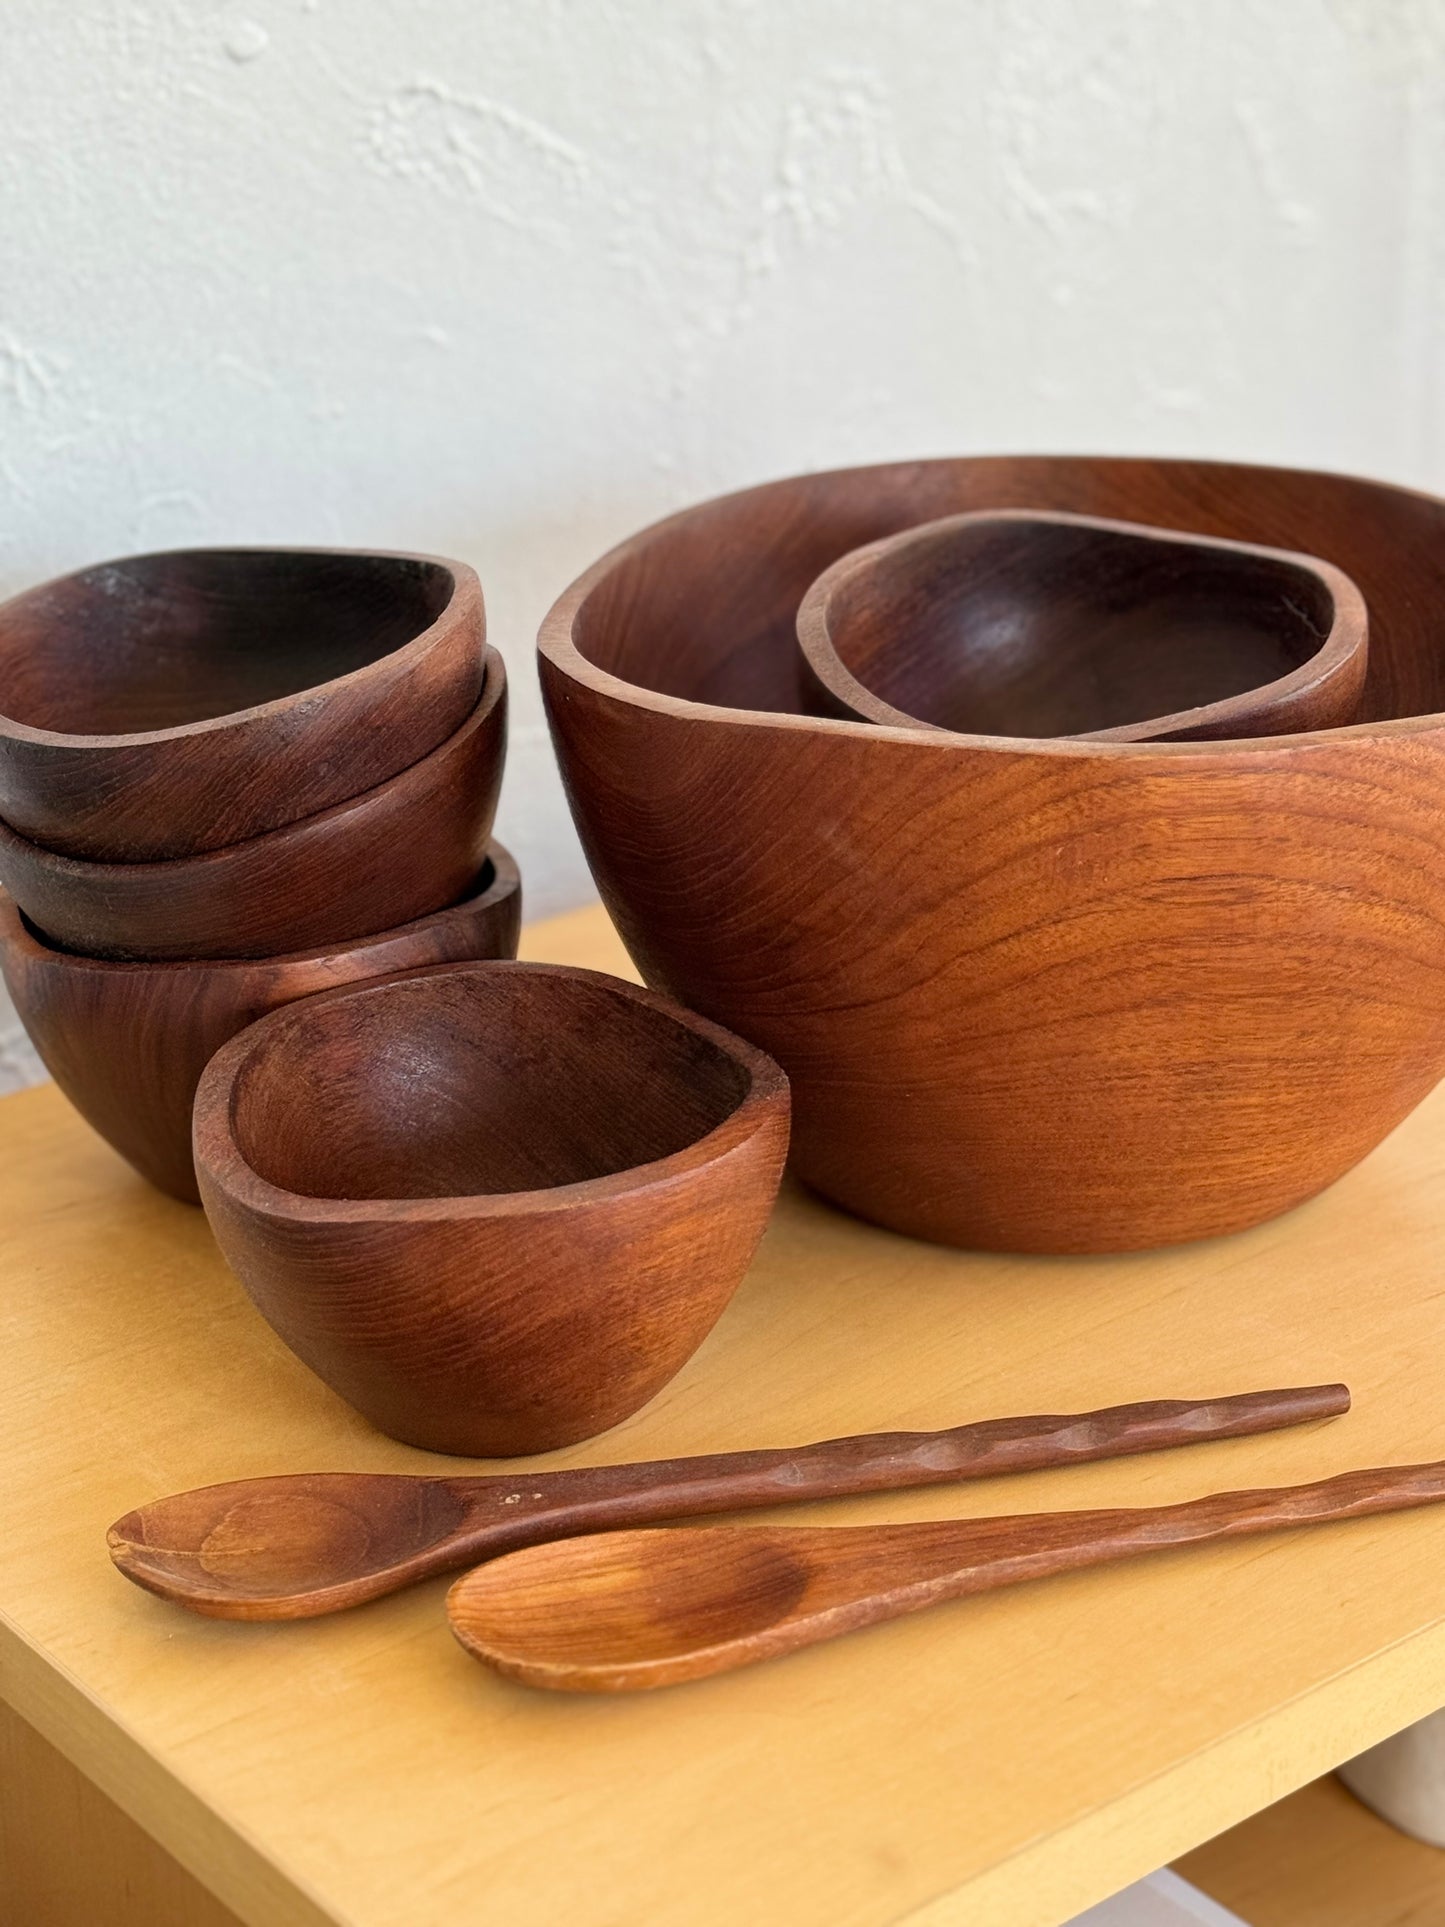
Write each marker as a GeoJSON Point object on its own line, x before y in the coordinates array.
{"type": "Point", "coordinates": [162, 705]}
{"type": "Point", "coordinates": [398, 852]}
{"type": "Point", "coordinates": [127, 1042]}
{"type": "Point", "coordinates": [536, 1191]}
{"type": "Point", "coordinates": [1007, 624]}
{"type": "Point", "coordinates": [1047, 996]}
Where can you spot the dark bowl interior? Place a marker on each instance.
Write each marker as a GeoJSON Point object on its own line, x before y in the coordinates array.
{"type": "Point", "coordinates": [704, 606]}
{"type": "Point", "coordinates": [470, 1083]}
{"type": "Point", "coordinates": [159, 641]}
{"type": "Point", "coordinates": [1026, 627]}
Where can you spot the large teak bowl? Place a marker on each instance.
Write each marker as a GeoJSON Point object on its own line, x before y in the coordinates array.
{"type": "Point", "coordinates": [396, 852]}
{"type": "Point", "coordinates": [165, 704]}
{"type": "Point", "coordinates": [1052, 996]}
{"type": "Point", "coordinates": [127, 1042]}
{"type": "Point", "coordinates": [534, 1191]}
{"type": "Point", "coordinates": [1006, 624]}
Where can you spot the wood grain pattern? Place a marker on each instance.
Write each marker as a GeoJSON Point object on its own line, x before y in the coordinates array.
{"type": "Point", "coordinates": [307, 1543]}
{"type": "Point", "coordinates": [1320, 1859]}
{"type": "Point", "coordinates": [625, 1612]}
{"type": "Point", "coordinates": [69, 1857]}
{"type": "Point", "coordinates": [127, 1042]}
{"type": "Point", "coordinates": [536, 1190]}
{"type": "Point", "coordinates": [161, 705]}
{"type": "Point", "coordinates": [1056, 996]}
{"type": "Point", "coordinates": [399, 851]}
{"type": "Point", "coordinates": [1005, 624]}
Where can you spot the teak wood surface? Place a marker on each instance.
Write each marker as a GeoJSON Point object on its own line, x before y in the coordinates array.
{"type": "Point", "coordinates": [127, 1042]}
{"type": "Point", "coordinates": [536, 1190]}
{"type": "Point", "coordinates": [1002, 1762]}
{"type": "Point", "coordinates": [1010, 624]}
{"type": "Point", "coordinates": [391, 854]}
{"type": "Point", "coordinates": [163, 704]}
{"type": "Point", "coordinates": [619, 1612]}
{"type": "Point", "coordinates": [309, 1543]}
{"type": "Point", "coordinates": [1049, 995]}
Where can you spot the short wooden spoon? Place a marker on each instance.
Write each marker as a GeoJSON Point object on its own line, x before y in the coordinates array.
{"type": "Point", "coordinates": [630, 1610]}
{"type": "Point", "coordinates": [296, 1546]}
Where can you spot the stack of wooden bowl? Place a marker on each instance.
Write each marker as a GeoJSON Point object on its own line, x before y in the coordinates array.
{"type": "Point", "coordinates": [1060, 825]}
{"type": "Point", "coordinates": [229, 778]}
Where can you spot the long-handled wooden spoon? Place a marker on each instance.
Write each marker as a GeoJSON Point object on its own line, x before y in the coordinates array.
{"type": "Point", "coordinates": [630, 1610]}
{"type": "Point", "coordinates": [312, 1542]}
{"type": "Point", "coordinates": [315, 1542]}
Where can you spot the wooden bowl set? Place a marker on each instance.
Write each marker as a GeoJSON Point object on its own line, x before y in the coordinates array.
{"type": "Point", "coordinates": [1068, 832]}
{"type": "Point", "coordinates": [1034, 992]}
{"type": "Point", "coordinates": [247, 799]}
{"type": "Point", "coordinates": [229, 777]}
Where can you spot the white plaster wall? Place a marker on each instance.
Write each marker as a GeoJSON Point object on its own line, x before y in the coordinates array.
{"type": "Point", "coordinates": [507, 278]}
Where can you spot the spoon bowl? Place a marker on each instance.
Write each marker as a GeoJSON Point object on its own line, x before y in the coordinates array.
{"type": "Point", "coordinates": [243, 1550]}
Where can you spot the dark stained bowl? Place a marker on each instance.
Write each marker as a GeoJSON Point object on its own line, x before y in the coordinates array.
{"type": "Point", "coordinates": [1011, 624]}
{"type": "Point", "coordinates": [162, 705]}
{"type": "Point", "coordinates": [535, 1192]}
{"type": "Point", "coordinates": [395, 853]}
{"type": "Point", "coordinates": [1045, 996]}
{"type": "Point", "coordinates": [127, 1042]}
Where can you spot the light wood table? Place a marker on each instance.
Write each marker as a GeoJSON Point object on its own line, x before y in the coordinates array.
{"type": "Point", "coordinates": [1002, 1762]}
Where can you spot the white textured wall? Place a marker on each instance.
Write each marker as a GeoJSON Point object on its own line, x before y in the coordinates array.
{"type": "Point", "coordinates": [507, 278]}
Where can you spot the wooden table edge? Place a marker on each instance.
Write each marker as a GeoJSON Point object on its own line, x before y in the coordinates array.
{"type": "Point", "coordinates": [97, 1742]}
{"type": "Point", "coordinates": [1240, 1774]}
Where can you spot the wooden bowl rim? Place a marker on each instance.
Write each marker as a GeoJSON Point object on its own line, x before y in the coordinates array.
{"type": "Point", "coordinates": [557, 645]}
{"type": "Point", "coordinates": [18, 935]}
{"type": "Point", "coordinates": [1347, 637]}
{"type": "Point", "coordinates": [93, 874]}
{"type": "Point", "coordinates": [464, 604]}
{"type": "Point", "coordinates": [220, 1159]}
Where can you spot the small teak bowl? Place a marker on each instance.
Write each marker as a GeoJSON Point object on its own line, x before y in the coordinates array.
{"type": "Point", "coordinates": [162, 705]}
{"type": "Point", "coordinates": [535, 1191]}
{"type": "Point", "coordinates": [395, 853]}
{"type": "Point", "coordinates": [1023, 624]}
{"type": "Point", "coordinates": [127, 1042]}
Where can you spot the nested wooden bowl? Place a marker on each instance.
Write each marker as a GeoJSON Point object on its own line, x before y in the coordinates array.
{"type": "Point", "coordinates": [1046, 996]}
{"type": "Point", "coordinates": [127, 1042]}
{"type": "Point", "coordinates": [396, 852]}
{"type": "Point", "coordinates": [1001, 623]}
{"type": "Point", "coordinates": [162, 705]}
{"type": "Point", "coordinates": [535, 1191]}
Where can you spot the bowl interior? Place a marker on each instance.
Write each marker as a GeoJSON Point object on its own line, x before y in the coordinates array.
{"type": "Point", "coordinates": [160, 641]}
{"type": "Point", "coordinates": [704, 606]}
{"type": "Point", "coordinates": [473, 1082]}
{"type": "Point", "coordinates": [1021, 626]}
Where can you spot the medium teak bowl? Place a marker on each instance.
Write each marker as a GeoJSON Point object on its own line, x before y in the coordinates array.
{"type": "Point", "coordinates": [127, 1042]}
{"type": "Point", "coordinates": [165, 704]}
{"type": "Point", "coordinates": [397, 852]}
{"type": "Point", "coordinates": [1010, 624]}
{"type": "Point", "coordinates": [535, 1191]}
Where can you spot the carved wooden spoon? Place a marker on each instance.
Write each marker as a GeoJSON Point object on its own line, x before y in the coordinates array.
{"type": "Point", "coordinates": [313, 1542]}
{"type": "Point", "coordinates": [630, 1610]}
